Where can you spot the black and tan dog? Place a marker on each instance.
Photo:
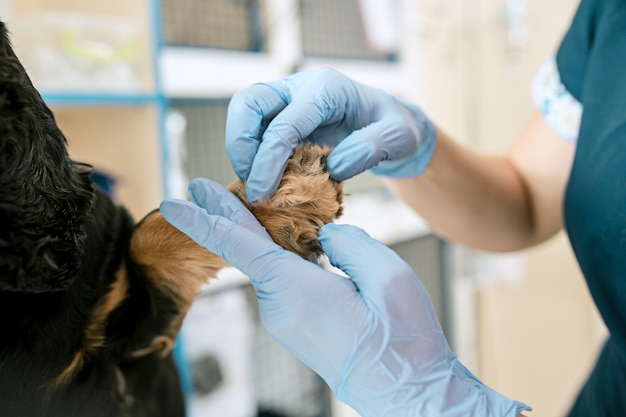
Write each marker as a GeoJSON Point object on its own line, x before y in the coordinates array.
{"type": "Point", "coordinates": [90, 302]}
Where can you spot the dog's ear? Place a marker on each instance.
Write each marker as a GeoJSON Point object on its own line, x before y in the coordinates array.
{"type": "Point", "coordinates": [45, 197]}
{"type": "Point", "coordinates": [175, 266]}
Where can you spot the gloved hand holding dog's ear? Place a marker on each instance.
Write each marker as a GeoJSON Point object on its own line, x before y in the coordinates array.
{"type": "Point", "coordinates": [369, 128]}
{"type": "Point", "coordinates": [374, 337]}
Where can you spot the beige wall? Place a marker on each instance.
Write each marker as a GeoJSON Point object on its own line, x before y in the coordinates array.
{"type": "Point", "coordinates": [538, 341]}
{"type": "Point", "coordinates": [122, 142]}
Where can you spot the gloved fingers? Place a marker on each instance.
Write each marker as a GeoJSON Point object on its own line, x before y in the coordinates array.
{"type": "Point", "coordinates": [297, 121]}
{"type": "Point", "coordinates": [424, 134]}
{"type": "Point", "coordinates": [192, 220]}
{"type": "Point", "coordinates": [249, 112]}
{"type": "Point", "coordinates": [216, 199]}
{"type": "Point", "coordinates": [381, 276]}
{"type": "Point", "coordinates": [267, 168]}
{"type": "Point", "coordinates": [384, 140]}
{"type": "Point", "coordinates": [241, 247]}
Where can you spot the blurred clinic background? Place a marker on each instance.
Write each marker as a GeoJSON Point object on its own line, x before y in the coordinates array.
{"type": "Point", "coordinates": [141, 87]}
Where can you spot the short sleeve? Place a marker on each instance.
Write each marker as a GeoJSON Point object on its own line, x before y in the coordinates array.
{"type": "Point", "coordinates": [559, 108]}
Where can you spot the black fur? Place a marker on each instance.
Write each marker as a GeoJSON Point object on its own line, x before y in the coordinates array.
{"type": "Point", "coordinates": [61, 242]}
{"type": "Point", "coordinates": [46, 198]}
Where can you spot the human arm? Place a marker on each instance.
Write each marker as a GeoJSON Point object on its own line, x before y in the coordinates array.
{"type": "Point", "coordinates": [497, 203]}
{"type": "Point", "coordinates": [374, 337]}
{"type": "Point", "coordinates": [493, 202]}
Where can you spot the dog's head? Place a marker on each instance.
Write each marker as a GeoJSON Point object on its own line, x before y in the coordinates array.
{"type": "Point", "coordinates": [45, 197]}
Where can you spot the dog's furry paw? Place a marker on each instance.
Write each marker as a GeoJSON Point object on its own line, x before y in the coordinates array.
{"type": "Point", "coordinates": [306, 199]}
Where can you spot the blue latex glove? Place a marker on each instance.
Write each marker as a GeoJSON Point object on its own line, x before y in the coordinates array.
{"type": "Point", "coordinates": [370, 129]}
{"type": "Point", "coordinates": [374, 338]}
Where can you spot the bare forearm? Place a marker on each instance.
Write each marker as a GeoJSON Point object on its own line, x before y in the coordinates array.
{"type": "Point", "coordinates": [476, 200]}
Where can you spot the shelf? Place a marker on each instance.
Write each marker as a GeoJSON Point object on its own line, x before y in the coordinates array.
{"type": "Point", "coordinates": [213, 73]}
{"type": "Point", "coordinates": [99, 99]}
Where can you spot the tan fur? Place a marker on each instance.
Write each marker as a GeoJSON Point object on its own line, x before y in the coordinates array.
{"type": "Point", "coordinates": [177, 265]}
{"type": "Point", "coordinates": [120, 387]}
{"type": "Point", "coordinates": [306, 199]}
{"type": "Point", "coordinates": [161, 345]}
{"type": "Point", "coordinates": [94, 332]}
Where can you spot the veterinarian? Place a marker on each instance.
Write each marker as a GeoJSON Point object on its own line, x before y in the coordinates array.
{"type": "Point", "coordinates": [375, 338]}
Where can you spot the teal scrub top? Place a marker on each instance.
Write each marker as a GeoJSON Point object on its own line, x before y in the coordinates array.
{"type": "Point", "coordinates": [592, 66]}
